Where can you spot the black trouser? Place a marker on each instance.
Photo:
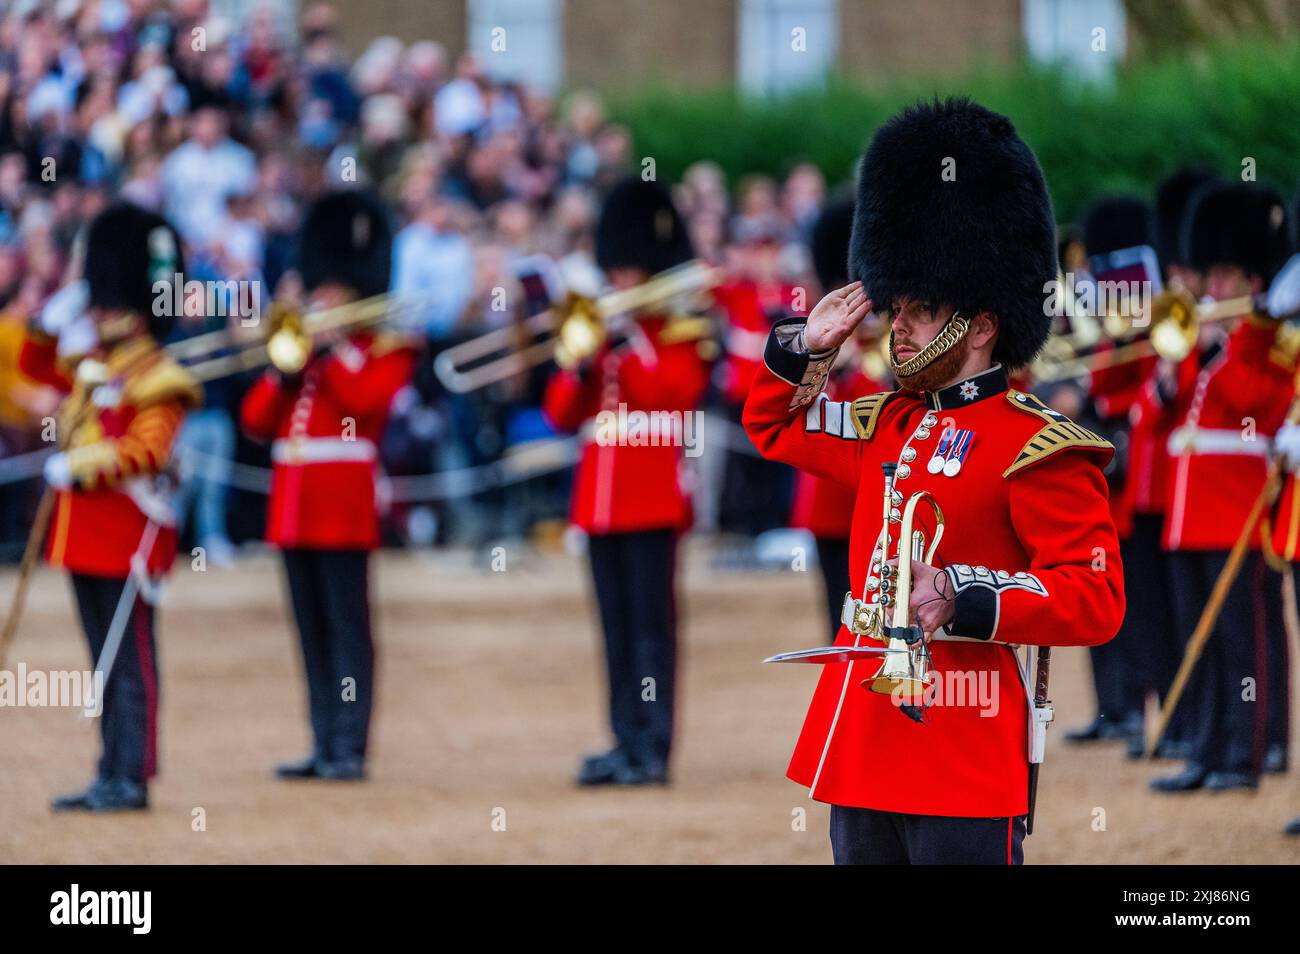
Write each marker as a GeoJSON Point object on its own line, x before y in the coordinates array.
{"type": "Point", "coordinates": [1226, 721]}
{"type": "Point", "coordinates": [331, 605]}
{"type": "Point", "coordinates": [128, 723]}
{"type": "Point", "coordinates": [833, 558]}
{"type": "Point", "coordinates": [1275, 660]}
{"type": "Point", "coordinates": [634, 576]}
{"type": "Point", "coordinates": [864, 836]}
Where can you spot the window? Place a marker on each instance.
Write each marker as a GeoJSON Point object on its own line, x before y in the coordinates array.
{"type": "Point", "coordinates": [1067, 32]}
{"type": "Point", "coordinates": [519, 40]}
{"type": "Point", "coordinates": [785, 44]}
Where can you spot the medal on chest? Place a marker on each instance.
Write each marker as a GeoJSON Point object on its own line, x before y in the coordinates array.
{"type": "Point", "coordinates": [950, 456]}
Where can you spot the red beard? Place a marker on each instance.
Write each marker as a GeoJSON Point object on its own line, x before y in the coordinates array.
{"type": "Point", "coordinates": [939, 371]}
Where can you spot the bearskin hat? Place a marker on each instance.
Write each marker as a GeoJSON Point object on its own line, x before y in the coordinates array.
{"type": "Point", "coordinates": [639, 228]}
{"type": "Point", "coordinates": [128, 251]}
{"type": "Point", "coordinates": [1173, 194]}
{"type": "Point", "coordinates": [829, 243]}
{"type": "Point", "coordinates": [952, 209]}
{"type": "Point", "coordinates": [1237, 223]}
{"type": "Point", "coordinates": [1115, 222]}
{"type": "Point", "coordinates": [346, 238]}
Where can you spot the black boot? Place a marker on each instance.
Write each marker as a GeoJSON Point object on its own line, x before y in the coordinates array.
{"type": "Point", "coordinates": [1191, 778]}
{"type": "Point", "coordinates": [342, 770]}
{"type": "Point", "coordinates": [650, 770]}
{"type": "Point", "coordinates": [1292, 827]}
{"type": "Point", "coordinates": [604, 768]}
{"type": "Point", "coordinates": [303, 768]}
{"type": "Point", "coordinates": [1231, 781]}
{"type": "Point", "coordinates": [79, 801]}
{"type": "Point", "coordinates": [118, 795]}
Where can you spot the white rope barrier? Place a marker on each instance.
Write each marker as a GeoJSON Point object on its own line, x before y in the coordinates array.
{"type": "Point", "coordinates": [534, 459]}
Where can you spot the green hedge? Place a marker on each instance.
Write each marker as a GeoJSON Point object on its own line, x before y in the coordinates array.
{"type": "Point", "coordinates": [1239, 101]}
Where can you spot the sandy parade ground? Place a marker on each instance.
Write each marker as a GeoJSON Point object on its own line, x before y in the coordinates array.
{"type": "Point", "coordinates": [489, 692]}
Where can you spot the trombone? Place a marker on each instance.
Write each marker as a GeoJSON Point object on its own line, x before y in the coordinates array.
{"type": "Point", "coordinates": [288, 339]}
{"type": "Point", "coordinates": [574, 328]}
{"type": "Point", "coordinates": [1175, 319]}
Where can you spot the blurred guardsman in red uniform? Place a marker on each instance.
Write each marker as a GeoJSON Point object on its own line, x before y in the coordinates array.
{"type": "Point", "coordinates": [1235, 394]}
{"type": "Point", "coordinates": [633, 401]}
{"type": "Point", "coordinates": [825, 507]}
{"type": "Point", "coordinates": [756, 493]}
{"type": "Point", "coordinates": [324, 425]}
{"type": "Point", "coordinates": [113, 527]}
{"type": "Point", "coordinates": [959, 263]}
{"type": "Point", "coordinates": [1118, 224]}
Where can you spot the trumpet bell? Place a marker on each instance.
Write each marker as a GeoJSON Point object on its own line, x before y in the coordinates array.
{"type": "Point", "coordinates": [581, 333]}
{"type": "Point", "coordinates": [1174, 324]}
{"type": "Point", "coordinates": [909, 689]}
{"type": "Point", "coordinates": [288, 347]}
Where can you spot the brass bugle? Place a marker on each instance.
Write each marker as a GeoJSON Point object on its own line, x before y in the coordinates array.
{"type": "Point", "coordinates": [578, 322]}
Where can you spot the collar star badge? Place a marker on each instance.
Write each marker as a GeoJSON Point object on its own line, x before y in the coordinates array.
{"type": "Point", "coordinates": [969, 390]}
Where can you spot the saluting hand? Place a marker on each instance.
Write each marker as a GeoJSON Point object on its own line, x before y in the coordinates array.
{"type": "Point", "coordinates": [835, 317]}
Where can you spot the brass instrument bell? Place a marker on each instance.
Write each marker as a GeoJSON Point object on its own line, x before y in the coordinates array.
{"type": "Point", "coordinates": [288, 346]}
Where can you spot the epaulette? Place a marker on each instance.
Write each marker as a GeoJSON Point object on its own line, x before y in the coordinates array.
{"type": "Point", "coordinates": [162, 380]}
{"type": "Point", "coordinates": [866, 411]}
{"type": "Point", "coordinates": [1058, 434]}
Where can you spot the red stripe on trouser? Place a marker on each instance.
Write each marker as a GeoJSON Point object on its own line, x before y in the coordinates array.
{"type": "Point", "coordinates": [150, 680]}
{"type": "Point", "coordinates": [1009, 821]}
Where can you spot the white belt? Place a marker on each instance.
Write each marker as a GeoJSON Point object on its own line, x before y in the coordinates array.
{"type": "Point", "coordinates": [322, 450]}
{"type": "Point", "coordinates": [1194, 440]}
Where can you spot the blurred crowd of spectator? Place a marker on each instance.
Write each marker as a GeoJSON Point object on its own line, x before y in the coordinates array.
{"type": "Point", "coordinates": [230, 129]}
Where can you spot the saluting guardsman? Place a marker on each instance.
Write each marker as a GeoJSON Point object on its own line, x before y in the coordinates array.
{"type": "Point", "coordinates": [324, 424]}
{"type": "Point", "coordinates": [1233, 395]}
{"type": "Point", "coordinates": [1029, 555]}
{"type": "Point", "coordinates": [629, 493]}
{"type": "Point", "coordinates": [1121, 226]}
{"type": "Point", "coordinates": [113, 526]}
{"type": "Point", "coordinates": [825, 507]}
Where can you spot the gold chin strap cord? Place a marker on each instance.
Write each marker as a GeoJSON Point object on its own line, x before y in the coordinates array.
{"type": "Point", "coordinates": [951, 333]}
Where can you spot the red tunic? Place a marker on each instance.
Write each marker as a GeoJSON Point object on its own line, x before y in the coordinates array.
{"type": "Point", "coordinates": [1034, 557]}
{"type": "Point", "coordinates": [1219, 450]}
{"type": "Point", "coordinates": [117, 445]}
{"type": "Point", "coordinates": [635, 408]}
{"type": "Point", "coordinates": [825, 507]}
{"type": "Point", "coordinates": [325, 432]}
{"type": "Point", "coordinates": [749, 309]}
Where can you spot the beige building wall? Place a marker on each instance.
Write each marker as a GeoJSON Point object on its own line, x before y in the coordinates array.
{"type": "Point", "coordinates": [878, 39]}
{"type": "Point", "coordinates": [360, 21]}
{"type": "Point", "coordinates": [616, 44]}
